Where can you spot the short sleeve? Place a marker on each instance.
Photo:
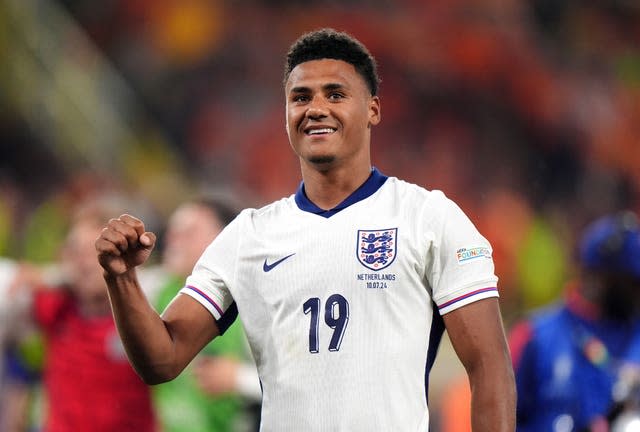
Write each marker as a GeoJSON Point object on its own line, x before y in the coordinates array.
{"type": "Point", "coordinates": [462, 270]}
{"type": "Point", "coordinates": [214, 273]}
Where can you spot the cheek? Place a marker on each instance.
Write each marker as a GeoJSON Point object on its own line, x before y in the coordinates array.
{"type": "Point", "coordinates": [293, 117]}
{"type": "Point", "coordinates": [292, 135]}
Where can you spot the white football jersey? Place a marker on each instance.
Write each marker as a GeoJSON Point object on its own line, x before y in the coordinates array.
{"type": "Point", "coordinates": [342, 308]}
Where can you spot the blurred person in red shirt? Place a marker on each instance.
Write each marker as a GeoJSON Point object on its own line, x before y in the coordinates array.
{"type": "Point", "coordinates": [88, 382]}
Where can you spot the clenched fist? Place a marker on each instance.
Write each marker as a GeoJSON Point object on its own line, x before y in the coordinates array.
{"type": "Point", "coordinates": [123, 245]}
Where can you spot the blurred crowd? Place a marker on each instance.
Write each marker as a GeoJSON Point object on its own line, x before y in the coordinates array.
{"type": "Point", "coordinates": [527, 113]}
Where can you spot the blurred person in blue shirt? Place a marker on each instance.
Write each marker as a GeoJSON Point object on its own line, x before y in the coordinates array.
{"type": "Point", "coordinates": [568, 357]}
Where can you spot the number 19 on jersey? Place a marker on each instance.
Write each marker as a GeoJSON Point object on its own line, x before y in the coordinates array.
{"type": "Point", "coordinates": [336, 317]}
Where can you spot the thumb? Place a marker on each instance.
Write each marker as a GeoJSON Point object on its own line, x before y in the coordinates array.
{"type": "Point", "coordinates": [148, 240]}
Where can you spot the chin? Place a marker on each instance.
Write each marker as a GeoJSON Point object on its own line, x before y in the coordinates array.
{"type": "Point", "coordinates": [322, 160]}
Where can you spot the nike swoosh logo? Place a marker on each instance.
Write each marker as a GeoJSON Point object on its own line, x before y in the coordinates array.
{"type": "Point", "coordinates": [268, 267]}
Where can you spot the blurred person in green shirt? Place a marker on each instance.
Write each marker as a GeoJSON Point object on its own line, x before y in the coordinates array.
{"type": "Point", "coordinates": [220, 391]}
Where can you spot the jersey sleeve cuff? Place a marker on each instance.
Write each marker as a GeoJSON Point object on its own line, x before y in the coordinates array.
{"type": "Point", "coordinates": [467, 298]}
{"type": "Point", "coordinates": [201, 297]}
{"type": "Point", "coordinates": [223, 319]}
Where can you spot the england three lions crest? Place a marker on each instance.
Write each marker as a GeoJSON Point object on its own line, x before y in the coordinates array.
{"type": "Point", "coordinates": [377, 248]}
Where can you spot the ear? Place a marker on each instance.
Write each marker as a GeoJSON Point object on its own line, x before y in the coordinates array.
{"type": "Point", "coordinates": [374, 111]}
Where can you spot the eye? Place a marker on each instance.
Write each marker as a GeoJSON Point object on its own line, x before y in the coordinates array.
{"type": "Point", "coordinates": [300, 98]}
{"type": "Point", "coordinates": [335, 96]}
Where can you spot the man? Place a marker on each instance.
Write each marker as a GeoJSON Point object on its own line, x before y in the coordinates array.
{"type": "Point", "coordinates": [193, 401]}
{"type": "Point", "coordinates": [88, 382]}
{"type": "Point", "coordinates": [568, 357]}
{"type": "Point", "coordinates": [343, 288]}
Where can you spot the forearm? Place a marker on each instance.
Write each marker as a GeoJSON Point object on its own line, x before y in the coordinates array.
{"type": "Point", "coordinates": [147, 341]}
{"type": "Point", "coordinates": [477, 335]}
{"type": "Point", "coordinates": [493, 399]}
{"type": "Point", "coordinates": [159, 348]}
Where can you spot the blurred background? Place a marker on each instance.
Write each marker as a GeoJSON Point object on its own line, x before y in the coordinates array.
{"type": "Point", "coordinates": [527, 113]}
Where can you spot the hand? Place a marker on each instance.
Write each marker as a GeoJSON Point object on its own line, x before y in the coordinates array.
{"type": "Point", "coordinates": [216, 375]}
{"type": "Point", "coordinates": [123, 245]}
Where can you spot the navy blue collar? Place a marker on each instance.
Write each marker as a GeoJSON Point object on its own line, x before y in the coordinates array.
{"type": "Point", "coordinates": [368, 188]}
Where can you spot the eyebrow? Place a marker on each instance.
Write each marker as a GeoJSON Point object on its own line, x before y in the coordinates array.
{"type": "Point", "coordinates": [326, 87]}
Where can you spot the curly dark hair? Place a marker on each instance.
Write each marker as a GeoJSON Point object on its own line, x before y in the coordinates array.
{"type": "Point", "coordinates": [328, 43]}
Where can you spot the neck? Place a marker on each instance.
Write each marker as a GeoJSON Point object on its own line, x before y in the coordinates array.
{"type": "Point", "coordinates": [328, 188]}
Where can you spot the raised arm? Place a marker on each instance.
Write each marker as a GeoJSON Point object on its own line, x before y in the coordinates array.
{"type": "Point", "coordinates": [159, 348]}
{"type": "Point", "coordinates": [477, 335]}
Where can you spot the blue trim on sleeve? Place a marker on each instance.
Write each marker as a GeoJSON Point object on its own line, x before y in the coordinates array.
{"type": "Point", "coordinates": [368, 188]}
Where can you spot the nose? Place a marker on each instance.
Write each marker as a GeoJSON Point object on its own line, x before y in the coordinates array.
{"type": "Point", "coordinates": [316, 109]}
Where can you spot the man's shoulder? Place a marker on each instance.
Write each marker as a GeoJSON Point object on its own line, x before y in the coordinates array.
{"type": "Point", "coordinates": [416, 195]}
{"type": "Point", "coordinates": [407, 187]}
{"type": "Point", "coordinates": [276, 212]}
{"type": "Point", "coordinates": [52, 304]}
{"type": "Point", "coordinates": [271, 209]}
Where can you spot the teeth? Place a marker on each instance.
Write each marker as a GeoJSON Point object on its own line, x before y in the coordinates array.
{"type": "Point", "coordinates": [320, 131]}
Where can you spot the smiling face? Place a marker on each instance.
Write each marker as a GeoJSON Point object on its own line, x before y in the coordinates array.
{"type": "Point", "coordinates": [330, 112]}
